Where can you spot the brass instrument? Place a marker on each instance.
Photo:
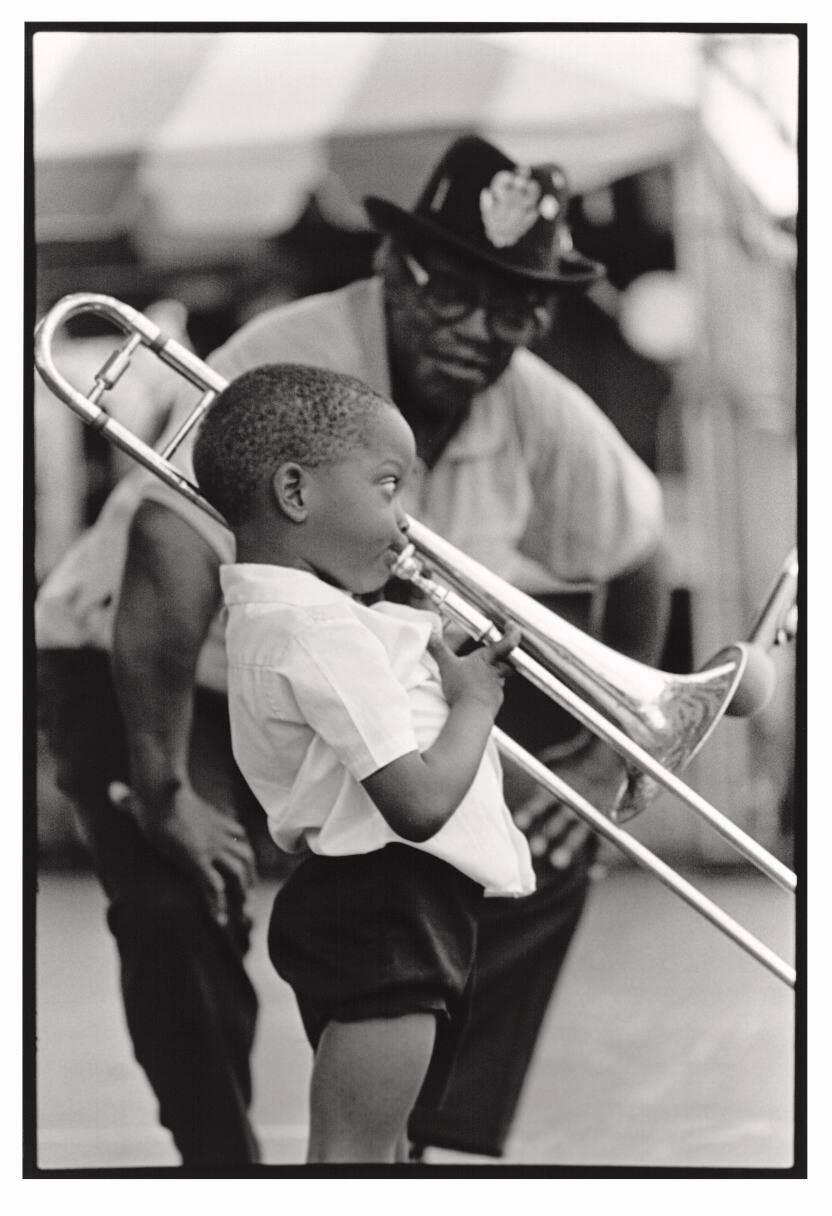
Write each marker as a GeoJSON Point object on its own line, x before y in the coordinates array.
{"type": "Point", "coordinates": [654, 720]}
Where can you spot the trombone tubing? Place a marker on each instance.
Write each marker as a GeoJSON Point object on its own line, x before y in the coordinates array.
{"type": "Point", "coordinates": [171, 352]}
{"type": "Point", "coordinates": [644, 857]}
{"type": "Point", "coordinates": [480, 627]}
{"type": "Point", "coordinates": [773, 618]}
{"type": "Point", "coordinates": [627, 747]}
{"type": "Point", "coordinates": [202, 376]}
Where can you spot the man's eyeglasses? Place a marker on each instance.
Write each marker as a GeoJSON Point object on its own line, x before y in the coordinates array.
{"type": "Point", "coordinates": [514, 319]}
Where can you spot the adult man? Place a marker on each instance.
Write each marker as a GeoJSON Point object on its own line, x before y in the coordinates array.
{"type": "Point", "coordinates": [176, 870]}
{"type": "Point", "coordinates": [517, 467]}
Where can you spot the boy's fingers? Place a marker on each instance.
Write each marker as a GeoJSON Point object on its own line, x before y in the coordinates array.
{"type": "Point", "coordinates": [513, 636]}
{"type": "Point", "coordinates": [438, 648]}
{"type": "Point", "coordinates": [508, 642]}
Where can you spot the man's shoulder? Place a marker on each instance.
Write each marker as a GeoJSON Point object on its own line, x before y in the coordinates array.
{"type": "Point", "coordinates": [540, 384]}
{"type": "Point", "coordinates": [325, 303]}
{"type": "Point", "coordinates": [297, 330]}
{"type": "Point", "coordinates": [546, 403]}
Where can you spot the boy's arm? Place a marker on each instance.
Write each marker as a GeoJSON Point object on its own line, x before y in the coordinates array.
{"type": "Point", "coordinates": [418, 792]}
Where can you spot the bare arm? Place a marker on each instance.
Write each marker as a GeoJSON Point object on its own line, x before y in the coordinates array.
{"type": "Point", "coordinates": [637, 610]}
{"type": "Point", "coordinates": [634, 623]}
{"type": "Point", "coordinates": [418, 793]}
{"type": "Point", "coordinates": [169, 594]}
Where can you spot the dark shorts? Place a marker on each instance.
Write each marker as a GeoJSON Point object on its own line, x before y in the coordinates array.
{"type": "Point", "coordinates": [379, 935]}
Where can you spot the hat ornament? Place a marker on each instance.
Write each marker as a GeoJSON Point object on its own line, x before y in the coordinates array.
{"type": "Point", "coordinates": [511, 205]}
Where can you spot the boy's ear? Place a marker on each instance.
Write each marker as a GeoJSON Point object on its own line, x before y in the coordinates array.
{"type": "Point", "coordinates": [290, 485]}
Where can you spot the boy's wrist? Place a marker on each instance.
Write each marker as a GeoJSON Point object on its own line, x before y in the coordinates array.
{"type": "Point", "coordinates": [473, 703]}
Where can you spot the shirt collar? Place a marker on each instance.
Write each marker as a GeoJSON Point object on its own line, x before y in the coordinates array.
{"type": "Point", "coordinates": [484, 430]}
{"type": "Point", "coordinates": [259, 583]}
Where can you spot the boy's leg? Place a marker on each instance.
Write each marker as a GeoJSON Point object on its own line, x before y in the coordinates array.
{"type": "Point", "coordinates": [365, 1081]}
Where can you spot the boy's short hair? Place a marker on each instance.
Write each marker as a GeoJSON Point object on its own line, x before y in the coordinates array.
{"type": "Point", "coordinates": [275, 413]}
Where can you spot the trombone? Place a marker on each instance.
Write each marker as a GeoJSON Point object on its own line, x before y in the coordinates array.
{"type": "Point", "coordinates": [654, 720]}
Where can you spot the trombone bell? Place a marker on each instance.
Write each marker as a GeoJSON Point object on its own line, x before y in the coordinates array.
{"type": "Point", "coordinates": [656, 721]}
{"type": "Point", "coordinates": [667, 716]}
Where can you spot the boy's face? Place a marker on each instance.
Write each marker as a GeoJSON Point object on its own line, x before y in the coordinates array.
{"type": "Point", "coordinates": [358, 521]}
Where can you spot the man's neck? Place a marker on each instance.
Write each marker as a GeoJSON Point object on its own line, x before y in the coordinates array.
{"type": "Point", "coordinates": [432, 432]}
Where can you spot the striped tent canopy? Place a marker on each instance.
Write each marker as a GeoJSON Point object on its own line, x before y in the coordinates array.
{"type": "Point", "coordinates": [226, 133]}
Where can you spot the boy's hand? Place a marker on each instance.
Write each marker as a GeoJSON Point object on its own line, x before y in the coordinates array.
{"type": "Point", "coordinates": [478, 676]}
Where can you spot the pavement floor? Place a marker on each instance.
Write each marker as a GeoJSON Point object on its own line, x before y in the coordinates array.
{"type": "Point", "coordinates": [666, 1045]}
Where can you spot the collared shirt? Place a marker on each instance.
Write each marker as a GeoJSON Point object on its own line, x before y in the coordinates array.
{"type": "Point", "coordinates": [77, 603]}
{"type": "Point", "coordinates": [324, 691]}
{"type": "Point", "coordinates": [537, 484]}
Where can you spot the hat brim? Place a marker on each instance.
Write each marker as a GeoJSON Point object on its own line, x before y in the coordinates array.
{"type": "Point", "coordinates": [573, 269]}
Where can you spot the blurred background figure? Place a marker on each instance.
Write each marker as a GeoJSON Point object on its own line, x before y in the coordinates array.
{"type": "Point", "coordinates": [231, 185]}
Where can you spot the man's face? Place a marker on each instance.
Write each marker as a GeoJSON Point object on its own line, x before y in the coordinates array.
{"type": "Point", "coordinates": [454, 328]}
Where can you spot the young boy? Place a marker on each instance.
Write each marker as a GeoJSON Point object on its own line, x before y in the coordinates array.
{"type": "Point", "coordinates": [366, 741]}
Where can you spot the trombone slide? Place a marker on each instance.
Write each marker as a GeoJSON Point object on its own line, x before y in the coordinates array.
{"type": "Point", "coordinates": [655, 721]}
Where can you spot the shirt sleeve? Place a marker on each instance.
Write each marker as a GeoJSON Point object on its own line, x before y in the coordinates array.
{"type": "Point", "coordinates": [598, 508]}
{"type": "Point", "coordinates": [299, 332]}
{"type": "Point", "coordinates": [345, 688]}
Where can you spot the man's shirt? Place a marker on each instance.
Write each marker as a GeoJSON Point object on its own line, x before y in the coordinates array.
{"type": "Point", "coordinates": [537, 484]}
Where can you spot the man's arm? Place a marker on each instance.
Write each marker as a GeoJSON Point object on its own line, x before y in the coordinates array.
{"type": "Point", "coordinates": [637, 610]}
{"type": "Point", "coordinates": [634, 622]}
{"type": "Point", "coordinates": [169, 595]}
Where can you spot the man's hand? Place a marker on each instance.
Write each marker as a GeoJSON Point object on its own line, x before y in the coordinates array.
{"type": "Point", "coordinates": [169, 594]}
{"type": "Point", "coordinates": [207, 843]}
{"type": "Point", "coordinates": [555, 833]}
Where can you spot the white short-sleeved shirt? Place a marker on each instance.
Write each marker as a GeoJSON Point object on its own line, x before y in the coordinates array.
{"type": "Point", "coordinates": [324, 691]}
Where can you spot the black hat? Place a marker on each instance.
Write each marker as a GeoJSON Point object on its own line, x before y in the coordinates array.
{"type": "Point", "coordinates": [509, 216]}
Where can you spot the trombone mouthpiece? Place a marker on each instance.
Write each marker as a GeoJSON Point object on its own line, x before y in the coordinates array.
{"type": "Point", "coordinates": [407, 564]}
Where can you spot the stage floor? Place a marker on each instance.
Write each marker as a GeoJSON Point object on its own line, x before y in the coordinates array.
{"type": "Point", "coordinates": [666, 1044]}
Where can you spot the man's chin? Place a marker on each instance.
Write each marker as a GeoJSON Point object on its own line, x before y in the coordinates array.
{"type": "Point", "coordinates": [470, 377]}
{"type": "Point", "coordinates": [442, 392]}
